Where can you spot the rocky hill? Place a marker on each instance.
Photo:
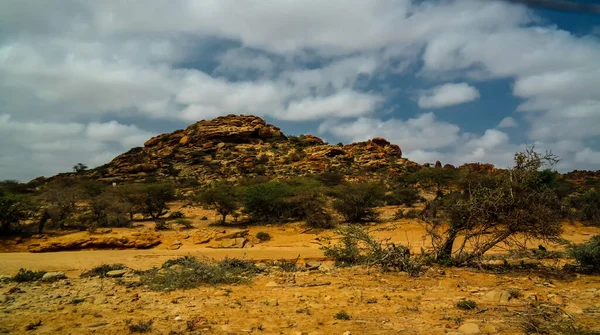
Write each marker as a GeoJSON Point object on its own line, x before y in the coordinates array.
{"type": "Point", "coordinates": [237, 145]}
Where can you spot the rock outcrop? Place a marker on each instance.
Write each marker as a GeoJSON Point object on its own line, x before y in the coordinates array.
{"type": "Point", "coordinates": [236, 145]}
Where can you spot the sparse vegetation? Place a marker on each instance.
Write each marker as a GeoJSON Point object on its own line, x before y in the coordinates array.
{"type": "Point", "coordinates": [25, 275]}
{"type": "Point", "coordinates": [466, 304]}
{"type": "Point", "coordinates": [587, 255]}
{"type": "Point", "coordinates": [341, 315]}
{"type": "Point", "coordinates": [188, 272]}
{"type": "Point", "coordinates": [140, 327]}
{"type": "Point", "coordinates": [102, 270]}
{"type": "Point", "coordinates": [357, 247]}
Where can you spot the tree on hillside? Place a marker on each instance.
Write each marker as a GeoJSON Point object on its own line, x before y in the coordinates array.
{"type": "Point", "coordinates": [482, 217]}
{"type": "Point", "coordinates": [222, 197]}
{"type": "Point", "coordinates": [79, 167]}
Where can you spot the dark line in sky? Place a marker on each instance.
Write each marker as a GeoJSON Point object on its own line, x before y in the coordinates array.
{"type": "Point", "coordinates": [562, 5]}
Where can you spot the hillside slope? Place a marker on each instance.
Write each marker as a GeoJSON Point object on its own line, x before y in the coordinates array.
{"type": "Point", "coordinates": [237, 145]}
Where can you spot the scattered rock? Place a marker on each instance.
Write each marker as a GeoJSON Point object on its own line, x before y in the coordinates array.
{"type": "Point", "coordinates": [555, 299]}
{"type": "Point", "coordinates": [505, 297]}
{"type": "Point", "coordinates": [178, 318]}
{"type": "Point", "coordinates": [493, 296]}
{"type": "Point", "coordinates": [573, 309]}
{"type": "Point", "coordinates": [116, 273]}
{"type": "Point", "coordinates": [97, 324]}
{"type": "Point", "coordinates": [52, 276]}
{"type": "Point", "coordinates": [272, 284]}
{"type": "Point", "coordinates": [312, 265]}
{"type": "Point", "coordinates": [469, 328]}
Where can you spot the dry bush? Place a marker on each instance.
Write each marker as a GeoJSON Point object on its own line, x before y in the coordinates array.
{"type": "Point", "coordinates": [483, 216]}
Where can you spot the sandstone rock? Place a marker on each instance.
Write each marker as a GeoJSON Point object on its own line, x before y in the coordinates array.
{"type": "Point", "coordinates": [116, 273]}
{"type": "Point", "coordinates": [469, 328]}
{"type": "Point", "coordinates": [555, 299]}
{"type": "Point", "coordinates": [52, 276]}
{"type": "Point", "coordinates": [505, 297]}
{"type": "Point", "coordinates": [312, 265]}
{"type": "Point", "coordinates": [272, 284]}
{"type": "Point", "coordinates": [233, 234]}
{"type": "Point", "coordinates": [573, 309]}
{"type": "Point", "coordinates": [493, 296]}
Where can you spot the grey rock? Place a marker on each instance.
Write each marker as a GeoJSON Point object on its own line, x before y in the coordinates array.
{"type": "Point", "coordinates": [116, 273]}
{"type": "Point", "coordinates": [52, 276]}
{"type": "Point", "coordinates": [312, 265]}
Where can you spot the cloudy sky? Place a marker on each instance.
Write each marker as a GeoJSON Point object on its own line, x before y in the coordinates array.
{"type": "Point", "coordinates": [459, 81]}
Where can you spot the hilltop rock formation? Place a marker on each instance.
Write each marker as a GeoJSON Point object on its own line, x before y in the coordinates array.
{"type": "Point", "coordinates": [237, 145]}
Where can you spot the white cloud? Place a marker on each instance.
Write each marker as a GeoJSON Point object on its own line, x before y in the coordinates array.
{"type": "Point", "coordinates": [508, 122]}
{"type": "Point", "coordinates": [448, 95]}
{"type": "Point", "coordinates": [29, 149]}
{"type": "Point", "coordinates": [422, 132]}
{"type": "Point", "coordinates": [84, 61]}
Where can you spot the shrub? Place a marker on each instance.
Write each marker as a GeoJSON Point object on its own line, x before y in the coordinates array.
{"type": "Point", "coordinates": [356, 201]}
{"type": "Point", "coordinates": [140, 327]}
{"type": "Point", "coordinates": [587, 207]}
{"type": "Point", "coordinates": [25, 275]}
{"type": "Point", "coordinates": [191, 273]}
{"type": "Point", "coordinates": [587, 254]}
{"type": "Point", "coordinates": [357, 246]}
{"type": "Point", "coordinates": [331, 178]}
{"type": "Point", "coordinates": [106, 210]}
{"type": "Point", "coordinates": [287, 266]}
{"type": "Point", "coordinates": [176, 215]}
{"type": "Point", "coordinates": [102, 270]}
{"type": "Point", "coordinates": [403, 196]}
{"type": "Point", "coordinates": [262, 236]}
{"type": "Point", "coordinates": [185, 223]}
{"type": "Point", "coordinates": [161, 224]}
{"type": "Point", "coordinates": [466, 304]}
{"type": "Point", "coordinates": [341, 315]}
{"type": "Point", "coordinates": [13, 210]}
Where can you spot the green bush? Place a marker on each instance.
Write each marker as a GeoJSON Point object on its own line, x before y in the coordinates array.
{"type": "Point", "coordinates": [25, 275]}
{"type": "Point", "coordinates": [266, 202]}
{"type": "Point", "coordinates": [262, 236]}
{"type": "Point", "coordinates": [587, 207]}
{"type": "Point", "coordinates": [13, 210]}
{"type": "Point", "coordinates": [466, 304]}
{"type": "Point", "coordinates": [356, 201]}
{"type": "Point", "coordinates": [403, 196]}
{"type": "Point", "coordinates": [587, 254]}
{"type": "Point", "coordinates": [342, 315]}
{"type": "Point", "coordinates": [188, 272]}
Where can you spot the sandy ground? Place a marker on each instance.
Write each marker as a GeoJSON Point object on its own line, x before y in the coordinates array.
{"type": "Point", "coordinates": [279, 303]}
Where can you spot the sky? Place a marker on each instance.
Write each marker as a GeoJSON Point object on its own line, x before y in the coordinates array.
{"type": "Point", "coordinates": [456, 81]}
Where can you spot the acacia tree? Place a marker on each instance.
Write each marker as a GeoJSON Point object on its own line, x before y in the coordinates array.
{"type": "Point", "coordinates": [483, 217]}
{"type": "Point", "coordinates": [222, 197]}
{"type": "Point", "coordinates": [155, 198]}
{"type": "Point", "coordinates": [13, 210]}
